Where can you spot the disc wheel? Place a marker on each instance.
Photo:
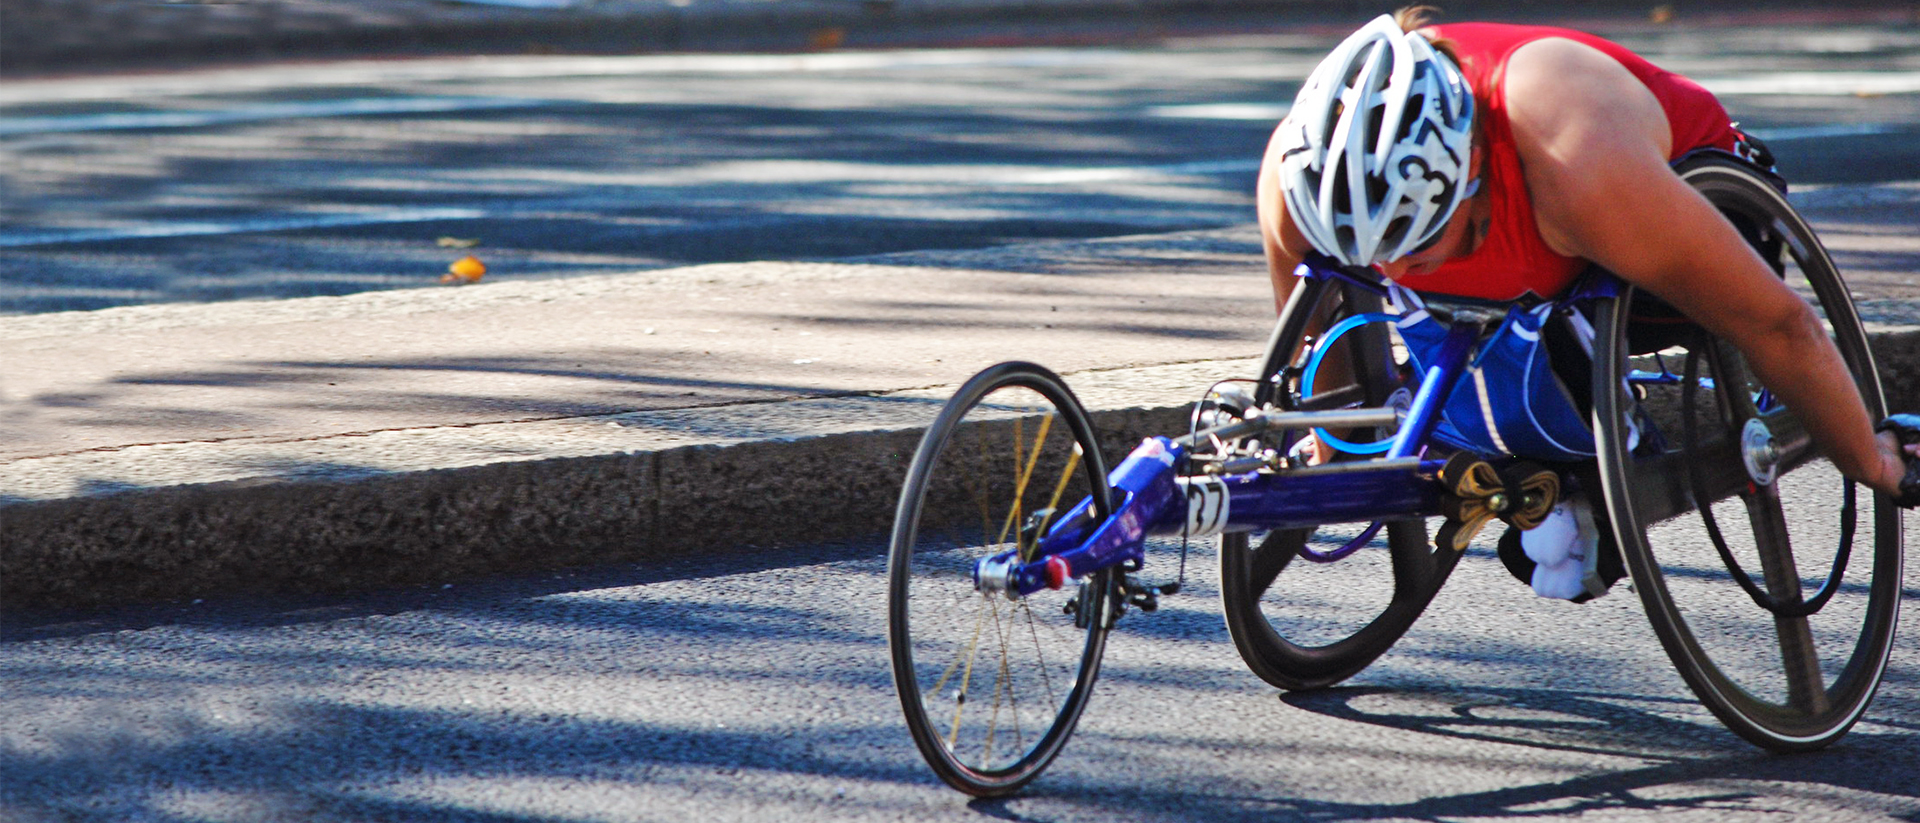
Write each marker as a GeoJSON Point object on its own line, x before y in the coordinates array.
{"type": "Point", "coordinates": [991, 686]}
{"type": "Point", "coordinates": [1785, 681]}
{"type": "Point", "coordinates": [1302, 630]}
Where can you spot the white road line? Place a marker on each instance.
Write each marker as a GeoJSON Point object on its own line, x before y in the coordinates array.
{"type": "Point", "coordinates": [988, 177]}
{"type": "Point", "coordinates": [1817, 83]}
{"type": "Point", "coordinates": [1782, 135]}
{"type": "Point", "coordinates": [113, 121]}
{"type": "Point", "coordinates": [58, 237]}
{"type": "Point", "coordinates": [202, 83]}
{"type": "Point", "coordinates": [522, 4]}
{"type": "Point", "coordinates": [1104, 174]}
{"type": "Point", "coordinates": [1259, 112]}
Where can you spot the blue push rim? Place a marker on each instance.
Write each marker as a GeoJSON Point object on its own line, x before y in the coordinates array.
{"type": "Point", "coordinates": [1313, 368]}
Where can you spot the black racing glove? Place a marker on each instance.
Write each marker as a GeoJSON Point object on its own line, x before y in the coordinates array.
{"type": "Point", "coordinates": [1906, 427]}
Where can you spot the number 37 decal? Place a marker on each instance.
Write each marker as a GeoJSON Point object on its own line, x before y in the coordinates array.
{"type": "Point", "coordinates": [1207, 502]}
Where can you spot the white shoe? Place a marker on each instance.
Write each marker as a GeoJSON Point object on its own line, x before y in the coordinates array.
{"type": "Point", "coordinates": [1565, 549]}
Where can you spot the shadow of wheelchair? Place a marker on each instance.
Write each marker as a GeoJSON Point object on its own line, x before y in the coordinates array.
{"type": "Point", "coordinates": [1679, 756]}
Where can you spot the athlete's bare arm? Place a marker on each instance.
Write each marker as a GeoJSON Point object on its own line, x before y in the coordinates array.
{"type": "Point", "coordinates": [1285, 245]}
{"type": "Point", "coordinates": [1594, 144]}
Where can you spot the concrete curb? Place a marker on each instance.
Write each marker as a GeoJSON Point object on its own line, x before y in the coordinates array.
{"type": "Point", "coordinates": [618, 488]}
{"type": "Point", "coordinates": [632, 488]}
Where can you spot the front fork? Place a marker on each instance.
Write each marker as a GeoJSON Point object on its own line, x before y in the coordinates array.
{"type": "Point", "coordinates": [1147, 497]}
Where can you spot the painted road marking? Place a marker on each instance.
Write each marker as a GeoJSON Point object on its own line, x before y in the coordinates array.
{"type": "Point", "coordinates": [1817, 83]}
{"type": "Point", "coordinates": [423, 214]}
{"type": "Point", "coordinates": [1782, 135]}
{"type": "Point", "coordinates": [1258, 112]}
{"type": "Point", "coordinates": [1790, 83]}
{"type": "Point", "coordinates": [62, 237]}
{"type": "Point", "coordinates": [1100, 174]}
{"type": "Point", "coordinates": [1270, 113]}
{"type": "Point", "coordinates": [115, 121]}
{"type": "Point", "coordinates": [207, 82]}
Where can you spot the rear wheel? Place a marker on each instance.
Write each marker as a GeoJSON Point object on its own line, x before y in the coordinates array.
{"type": "Point", "coordinates": [992, 687]}
{"type": "Point", "coordinates": [1286, 627]}
{"type": "Point", "coordinates": [1689, 424]}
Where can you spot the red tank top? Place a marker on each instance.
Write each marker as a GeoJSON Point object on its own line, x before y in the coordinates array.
{"type": "Point", "coordinates": [1513, 259]}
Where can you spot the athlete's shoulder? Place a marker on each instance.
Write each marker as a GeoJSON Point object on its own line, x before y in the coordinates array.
{"type": "Point", "coordinates": [1559, 52]}
{"type": "Point", "coordinates": [1558, 74]}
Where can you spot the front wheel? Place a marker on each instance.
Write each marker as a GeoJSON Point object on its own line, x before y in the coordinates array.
{"type": "Point", "coordinates": [993, 686]}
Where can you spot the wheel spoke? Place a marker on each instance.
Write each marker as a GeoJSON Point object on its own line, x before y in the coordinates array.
{"type": "Point", "coordinates": [1414, 565]}
{"type": "Point", "coordinates": [1661, 487]}
{"type": "Point", "coordinates": [971, 651]}
{"type": "Point", "coordinates": [1023, 474]}
{"type": "Point", "coordinates": [1806, 687]}
{"type": "Point", "coordinates": [1039, 653]}
{"type": "Point", "coordinates": [1003, 691]}
{"type": "Point", "coordinates": [978, 481]}
{"type": "Point", "coordinates": [1032, 550]}
{"type": "Point", "coordinates": [1270, 558]}
{"type": "Point", "coordinates": [1730, 376]}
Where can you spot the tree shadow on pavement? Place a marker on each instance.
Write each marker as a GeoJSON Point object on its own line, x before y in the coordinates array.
{"type": "Point", "coordinates": [757, 686]}
{"type": "Point", "coordinates": [467, 594]}
{"type": "Point", "coordinates": [1606, 726]}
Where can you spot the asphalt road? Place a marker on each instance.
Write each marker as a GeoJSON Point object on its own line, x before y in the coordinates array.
{"type": "Point", "coordinates": [757, 688]}
{"type": "Point", "coordinates": [332, 178]}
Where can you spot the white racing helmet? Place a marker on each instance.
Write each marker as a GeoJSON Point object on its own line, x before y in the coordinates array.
{"type": "Point", "coordinates": [1374, 154]}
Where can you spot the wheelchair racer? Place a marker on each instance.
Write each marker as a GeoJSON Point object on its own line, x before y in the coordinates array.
{"type": "Point", "coordinates": [1496, 161]}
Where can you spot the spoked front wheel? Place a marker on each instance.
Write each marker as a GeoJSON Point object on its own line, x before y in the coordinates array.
{"type": "Point", "coordinates": [1286, 627]}
{"type": "Point", "coordinates": [1708, 479]}
{"type": "Point", "coordinates": [993, 686]}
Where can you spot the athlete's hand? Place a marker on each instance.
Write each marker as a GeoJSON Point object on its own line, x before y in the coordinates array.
{"type": "Point", "coordinates": [1899, 441]}
{"type": "Point", "coordinates": [1310, 451]}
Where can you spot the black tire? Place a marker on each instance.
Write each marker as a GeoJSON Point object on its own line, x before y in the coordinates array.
{"type": "Point", "coordinates": [1285, 628]}
{"type": "Point", "coordinates": [1789, 683]}
{"type": "Point", "coordinates": [1012, 442]}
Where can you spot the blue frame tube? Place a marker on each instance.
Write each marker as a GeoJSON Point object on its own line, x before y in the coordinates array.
{"type": "Point", "coordinates": [1286, 501]}
{"type": "Point", "coordinates": [1316, 264]}
{"type": "Point", "coordinates": [1435, 387]}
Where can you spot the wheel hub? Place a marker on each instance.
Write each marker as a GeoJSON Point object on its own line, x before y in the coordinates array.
{"type": "Point", "coordinates": [994, 575]}
{"type": "Point", "coordinates": [1760, 452]}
